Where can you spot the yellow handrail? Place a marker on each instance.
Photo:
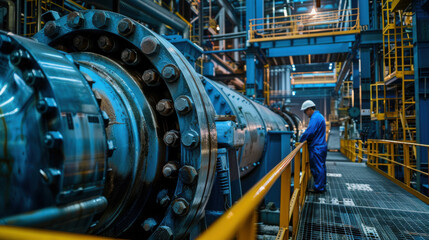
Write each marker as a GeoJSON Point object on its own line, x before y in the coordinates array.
{"type": "Point", "coordinates": [384, 156]}
{"type": "Point", "coordinates": [19, 233]}
{"type": "Point", "coordinates": [304, 25]}
{"type": "Point", "coordinates": [240, 220]}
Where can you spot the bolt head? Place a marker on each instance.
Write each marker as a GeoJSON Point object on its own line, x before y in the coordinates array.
{"type": "Point", "coordinates": [170, 73]}
{"type": "Point", "coordinates": [105, 43]}
{"type": "Point", "coordinates": [51, 29]}
{"type": "Point", "coordinates": [33, 77]}
{"type": "Point", "coordinates": [171, 138]}
{"type": "Point", "coordinates": [163, 233]}
{"type": "Point", "coordinates": [18, 57]}
{"type": "Point", "coordinates": [190, 139]}
{"type": "Point", "coordinates": [149, 45]}
{"type": "Point", "coordinates": [75, 20]}
{"type": "Point", "coordinates": [188, 174]}
{"type": "Point", "coordinates": [165, 107]}
{"type": "Point", "coordinates": [100, 19]}
{"type": "Point", "coordinates": [180, 206]}
{"type": "Point", "coordinates": [126, 27]}
{"type": "Point", "coordinates": [150, 77]}
{"type": "Point", "coordinates": [183, 104]}
{"type": "Point", "coordinates": [129, 56]}
{"type": "Point", "coordinates": [81, 43]}
{"type": "Point", "coordinates": [169, 169]}
{"type": "Point", "coordinates": [149, 224]}
{"type": "Point", "coordinates": [52, 139]}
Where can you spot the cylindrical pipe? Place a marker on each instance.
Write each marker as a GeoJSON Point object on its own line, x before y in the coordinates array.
{"type": "Point", "coordinates": [154, 10]}
{"type": "Point", "coordinates": [56, 215]}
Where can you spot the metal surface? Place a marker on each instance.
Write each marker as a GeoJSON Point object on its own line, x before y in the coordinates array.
{"type": "Point", "coordinates": [361, 204]}
{"type": "Point", "coordinates": [118, 125]}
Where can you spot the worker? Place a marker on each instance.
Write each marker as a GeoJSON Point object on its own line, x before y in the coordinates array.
{"type": "Point", "coordinates": [315, 134]}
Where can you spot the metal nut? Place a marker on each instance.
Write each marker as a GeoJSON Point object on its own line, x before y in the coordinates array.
{"type": "Point", "coordinates": [171, 138]}
{"type": "Point", "coordinates": [149, 224]}
{"type": "Point", "coordinates": [190, 139]}
{"type": "Point", "coordinates": [46, 105]}
{"type": "Point", "coordinates": [183, 104]}
{"type": "Point", "coordinates": [170, 73]}
{"type": "Point", "coordinates": [53, 139]}
{"type": "Point", "coordinates": [100, 19]}
{"type": "Point", "coordinates": [163, 233]}
{"type": "Point", "coordinates": [149, 45]}
{"type": "Point", "coordinates": [81, 43]}
{"type": "Point", "coordinates": [180, 206]}
{"type": "Point", "coordinates": [150, 77]}
{"type": "Point", "coordinates": [165, 107]}
{"type": "Point", "coordinates": [126, 27]}
{"type": "Point", "coordinates": [105, 43]}
{"type": "Point", "coordinates": [33, 77]}
{"type": "Point", "coordinates": [169, 169]}
{"type": "Point", "coordinates": [130, 56]}
{"type": "Point", "coordinates": [51, 29]}
{"type": "Point", "coordinates": [75, 20]}
{"type": "Point", "coordinates": [19, 57]}
{"type": "Point", "coordinates": [188, 174]}
{"type": "Point", "coordinates": [162, 198]}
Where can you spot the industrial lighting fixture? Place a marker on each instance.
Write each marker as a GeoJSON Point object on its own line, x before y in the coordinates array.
{"type": "Point", "coordinates": [218, 28]}
{"type": "Point", "coordinates": [313, 11]}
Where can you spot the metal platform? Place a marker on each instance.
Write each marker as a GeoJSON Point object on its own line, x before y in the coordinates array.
{"type": "Point", "coordinates": [334, 139]}
{"type": "Point", "coordinates": [361, 204]}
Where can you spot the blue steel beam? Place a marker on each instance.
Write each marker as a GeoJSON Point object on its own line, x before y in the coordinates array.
{"type": "Point", "coordinates": [309, 41]}
{"type": "Point", "coordinates": [310, 49]}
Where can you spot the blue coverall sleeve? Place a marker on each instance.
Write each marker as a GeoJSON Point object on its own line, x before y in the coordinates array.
{"type": "Point", "coordinates": [309, 132]}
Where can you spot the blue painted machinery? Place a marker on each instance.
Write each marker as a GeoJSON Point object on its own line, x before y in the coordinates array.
{"type": "Point", "coordinates": [105, 128]}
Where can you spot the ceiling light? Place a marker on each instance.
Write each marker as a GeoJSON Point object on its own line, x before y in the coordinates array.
{"type": "Point", "coordinates": [313, 11]}
{"type": "Point", "coordinates": [218, 28]}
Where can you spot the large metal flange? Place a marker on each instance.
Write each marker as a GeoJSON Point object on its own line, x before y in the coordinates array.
{"type": "Point", "coordinates": [180, 79]}
{"type": "Point", "coordinates": [44, 107]}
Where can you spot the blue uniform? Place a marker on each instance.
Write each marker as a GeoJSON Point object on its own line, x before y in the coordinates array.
{"type": "Point", "coordinates": [317, 148]}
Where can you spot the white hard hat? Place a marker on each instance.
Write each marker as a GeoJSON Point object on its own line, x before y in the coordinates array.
{"type": "Point", "coordinates": [307, 104]}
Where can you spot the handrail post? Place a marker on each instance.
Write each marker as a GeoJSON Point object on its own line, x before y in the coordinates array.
{"type": "Point", "coordinates": [285, 200]}
{"type": "Point", "coordinates": [296, 187]}
{"type": "Point", "coordinates": [407, 175]}
{"type": "Point", "coordinates": [360, 151]}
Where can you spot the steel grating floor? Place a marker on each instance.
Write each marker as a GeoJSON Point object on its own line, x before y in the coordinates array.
{"type": "Point", "coordinates": [361, 204]}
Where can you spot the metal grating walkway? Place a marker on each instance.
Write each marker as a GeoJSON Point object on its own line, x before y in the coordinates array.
{"type": "Point", "coordinates": [361, 204]}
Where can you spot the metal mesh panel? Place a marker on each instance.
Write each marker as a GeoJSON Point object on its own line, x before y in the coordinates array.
{"type": "Point", "coordinates": [361, 204]}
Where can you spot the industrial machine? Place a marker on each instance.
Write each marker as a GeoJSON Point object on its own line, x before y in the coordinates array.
{"type": "Point", "coordinates": [105, 128]}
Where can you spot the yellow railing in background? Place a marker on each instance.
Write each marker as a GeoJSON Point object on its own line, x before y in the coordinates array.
{"type": "Point", "coordinates": [353, 149]}
{"type": "Point", "coordinates": [385, 155]}
{"type": "Point", "coordinates": [240, 220]}
{"type": "Point", "coordinates": [305, 25]}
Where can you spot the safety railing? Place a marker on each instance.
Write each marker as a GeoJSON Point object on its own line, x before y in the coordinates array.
{"type": "Point", "coordinates": [353, 149]}
{"type": "Point", "coordinates": [240, 220]}
{"type": "Point", "coordinates": [327, 23]}
{"type": "Point", "coordinates": [396, 160]}
{"type": "Point", "coordinates": [19, 233]}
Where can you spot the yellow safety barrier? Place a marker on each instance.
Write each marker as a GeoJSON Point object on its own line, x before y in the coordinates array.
{"type": "Point", "coordinates": [385, 155]}
{"type": "Point", "coordinates": [326, 23]}
{"type": "Point", "coordinates": [240, 220]}
{"type": "Point", "coordinates": [352, 149]}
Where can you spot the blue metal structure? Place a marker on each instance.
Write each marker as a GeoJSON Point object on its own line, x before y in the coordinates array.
{"type": "Point", "coordinates": [114, 130]}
